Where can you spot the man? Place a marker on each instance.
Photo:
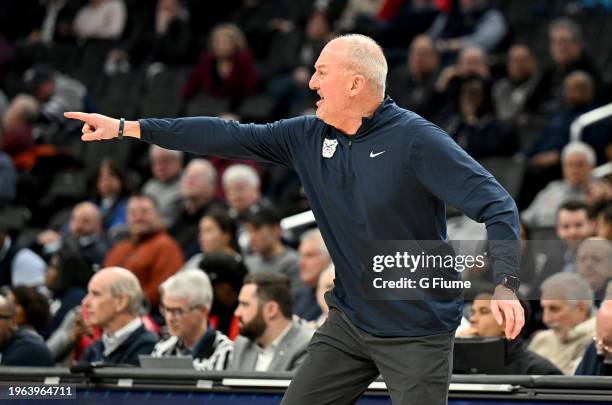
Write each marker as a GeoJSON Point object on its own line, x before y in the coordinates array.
{"type": "Point", "coordinates": [186, 302]}
{"type": "Point", "coordinates": [371, 171]}
{"type": "Point", "coordinates": [241, 186]}
{"type": "Point", "coordinates": [198, 185]}
{"type": "Point", "coordinates": [577, 161]}
{"type": "Point", "coordinates": [269, 254]}
{"type": "Point", "coordinates": [19, 347]}
{"type": "Point", "coordinates": [150, 253]}
{"type": "Point", "coordinates": [85, 232]}
{"type": "Point", "coordinates": [567, 304]}
{"type": "Point", "coordinates": [518, 359]}
{"type": "Point", "coordinates": [113, 301]}
{"type": "Point", "coordinates": [270, 340]}
{"type": "Point", "coordinates": [165, 185]}
{"type": "Point", "coordinates": [597, 358]}
{"type": "Point", "coordinates": [314, 259]}
{"type": "Point", "coordinates": [594, 264]}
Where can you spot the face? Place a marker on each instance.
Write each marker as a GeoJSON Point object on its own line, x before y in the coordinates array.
{"type": "Point", "coordinates": [212, 238]}
{"type": "Point", "coordinates": [471, 62]}
{"type": "Point", "coordinates": [573, 226]}
{"type": "Point", "coordinates": [482, 319]}
{"type": "Point", "coordinates": [594, 264]}
{"type": "Point", "coordinates": [520, 63]}
{"type": "Point", "coordinates": [142, 218]}
{"type": "Point", "coordinates": [576, 169]}
{"type": "Point", "coordinates": [249, 313]}
{"type": "Point", "coordinates": [332, 82]}
{"type": "Point", "coordinates": [422, 58]}
{"type": "Point", "coordinates": [52, 274]}
{"type": "Point", "coordinates": [604, 228]}
{"type": "Point", "coordinates": [312, 261]}
{"type": "Point", "coordinates": [603, 335]}
{"type": "Point", "coordinates": [108, 184]}
{"type": "Point", "coordinates": [241, 195]}
{"type": "Point", "coordinates": [317, 26]}
{"type": "Point", "coordinates": [164, 165]}
{"type": "Point", "coordinates": [326, 283]}
{"type": "Point", "coordinates": [182, 319]}
{"type": "Point", "coordinates": [563, 46]}
{"type": "Point", "coordinates": [576, 91]}
{"type": "Point", "coordinates": [223, 45]}
{"type": "Point", "coordinates": [263, 237]}
{"type": "Point", "coordinates": [195, 182]}
{"type": "Point", "coordinates": [101, 305]}
{"type": "Point", "coordinates": [7, 322]}
{"type": "Point", "coordinates": [85, 220]}
{"type": "Point", "coordinates": [560, 315]}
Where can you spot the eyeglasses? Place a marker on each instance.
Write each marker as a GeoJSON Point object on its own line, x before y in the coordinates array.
{"type": "Point", "coordinates": [176, 312]}
{"type": "Point", "coordinates": [6, 317]}
{"type": "Point", "coordinates": [601, 346]}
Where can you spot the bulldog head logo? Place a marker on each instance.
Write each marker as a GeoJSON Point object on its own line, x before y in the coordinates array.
{"type": "Point", "coordinates": [329, 148]}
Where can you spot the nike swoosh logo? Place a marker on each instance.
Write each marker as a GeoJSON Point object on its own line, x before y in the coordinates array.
{"type": "Point", "coordinates": [373, 155]}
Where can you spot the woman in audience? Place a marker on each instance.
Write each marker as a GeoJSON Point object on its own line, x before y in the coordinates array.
{"type": "Point", "coordinates": [112, 191]}
{"type": "Point", "coordinates": [31, 309]}
{"type": "Point", "coordinates": [217, 235]}
{"type": "Point", "coordinates": [67, 277]}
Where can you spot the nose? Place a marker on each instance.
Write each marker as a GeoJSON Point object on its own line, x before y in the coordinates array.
{"type": "Point", "coordinates": [313, 84]}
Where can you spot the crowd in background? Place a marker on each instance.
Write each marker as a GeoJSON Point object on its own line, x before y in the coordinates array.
{"type": "Point", "coordinates": [113, 250]}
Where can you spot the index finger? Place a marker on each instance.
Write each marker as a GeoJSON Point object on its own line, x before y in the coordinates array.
{"type": "Point", "coordinates": [519, 321]}
{"type": "Point", "coordinates": [77, 115]}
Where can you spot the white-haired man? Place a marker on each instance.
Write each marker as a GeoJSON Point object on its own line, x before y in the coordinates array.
{"type": "Point", "coordinates": [185, 304]}
{"type": "Point", "coordinates": [567, 304]}
{"type": "Point", "coordinates": [114, 299]}
{"type": "Point", "coordinates": [371, 171]}
{"type": "Point", "coordinates": [577, 161]}
{"type": "Point", "coordinates": [165, 185]}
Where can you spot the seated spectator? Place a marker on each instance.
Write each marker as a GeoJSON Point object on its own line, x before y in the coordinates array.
{"type": "Point", "coordinates": [270, 340]}
{"type": "Point", "coordinates": [31, 309]}
{"type": "Point", "coordinates": [325, 283]}
{"type": "Point", "coordinates": [597, 359]}
{"type": "Point", "coordinates": [226, 273]}
{"type": "Point", "coordinates": [226, 70]}
{"type": "Point", "coordinates": [165, 185]}
{"type": "Point", "coordinates": [112, 191]}
{"type": "Point", "coordinates": [67, 277]}
{"type": "Point", "coordinates": [150, 253]}
{"type": "Point", "coordinates": [100, 19]}
{"type": "Point", "coordinates": [85, 233]}
{"type": "Point", "coordinates": [566, 47]}
{"type": "Point", "coordinates": [198, 185]}
{"type": "Point", "coordinates": [519, 360]}
{"type": "Point", "coordinates": [567, 304]}
{"type": "Point", "coordinates": [475, 128]}
{"type": "Point", "coordinates": [594, 264]}
{"type": "Point", "coordinates": [314, 259]}
{"type": "Point", "coordinates": [474, 23]}
{"type": "Point", "coordinates": [186, 301]}
{"type": "Point", "coordinates": [269, 253]}
{"type": "Point", "coordinates": [217, 234]}
{"type": "Point", "coordinates": [412, 85]}
{"type": "Point", "coordinates": [604, 222]}
{"type": "Point", "coordinates": [511, 93]}
{"type": "Point", "coordinates": [113, 301]}
{"type": "Point", "coordinates": [577, 161]}
{"type": "Point", "coordinates": [18, 266]}
{"type": "Point", "coordinates": [17, 346]}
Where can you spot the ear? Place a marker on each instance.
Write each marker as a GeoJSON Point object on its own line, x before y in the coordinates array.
{"type": "Point", "coordinates": [357, 84]}
{"type": "Point", "coordinates": [270, 310]}
{"type": "Point", "coordinates": [121, 303]}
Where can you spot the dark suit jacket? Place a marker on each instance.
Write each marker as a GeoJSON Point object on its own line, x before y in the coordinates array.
{"type": "Point", "coordinates": [141, 341]}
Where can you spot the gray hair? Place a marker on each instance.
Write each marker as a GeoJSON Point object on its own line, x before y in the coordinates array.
{"type": "Point", "coordinates": [126, 283]}
{"type": "Point", "coordinates": [174, 153]}
{"type": "Point", "coordinates": [209, 170]}
{"type": "Point", "coordinates": [579, 147]}
{"type": "Point", "coordinates": [568, 24]}
{"type": "Point", "coordinates": [242, 173]}
{"type": "Point", "coordinates": [573, 288]}
{"type": "Point", "coordinates": [192, 284]}
{"type": "Point", "coordinates": [366, 57]}
{"type": "Point", "coordinates": [315, 235]}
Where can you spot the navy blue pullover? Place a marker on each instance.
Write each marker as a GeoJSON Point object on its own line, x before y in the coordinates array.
{"type": "Point", "coordinates": [398, 194]}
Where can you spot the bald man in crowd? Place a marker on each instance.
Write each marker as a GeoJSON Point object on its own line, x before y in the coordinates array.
{"type": "Point", "coordinates": [597, 358]}
{"type": "Point", "coordinates": [372, 172]}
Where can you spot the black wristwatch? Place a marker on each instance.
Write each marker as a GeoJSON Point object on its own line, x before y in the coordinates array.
{"type": "Point", "coordinates": [511, 282]}
{"type": "Point", "coordinates": [121, 128]}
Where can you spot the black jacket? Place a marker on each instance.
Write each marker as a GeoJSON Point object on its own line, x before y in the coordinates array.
{"type": "Point", "coordinates": [141, 341]}
{"type": "Point", "coordinates": [25, 349]}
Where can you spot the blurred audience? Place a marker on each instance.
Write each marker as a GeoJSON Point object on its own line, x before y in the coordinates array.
{"type": "Point", "coordinates": [31, 309]}
{"type": "Point", "coordinates": [100, 19]}
{"type": "Point", "coordinates": [594, 264]}
{"type": "Point", "coordinates": [597, 359]}
{"type": "Point", "coordinates": [18, 266]}
{"type": "Point", "coordinates": [112, 192]}
{"type": "Point", "coordinates": [325, 283]}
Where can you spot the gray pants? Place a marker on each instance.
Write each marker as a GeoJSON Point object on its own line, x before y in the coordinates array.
{"type": "Point", "coordinates": [343, 360]}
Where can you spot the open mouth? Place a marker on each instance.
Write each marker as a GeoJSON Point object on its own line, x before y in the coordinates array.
{"type": "Point", "coordinates": [320, 101]}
